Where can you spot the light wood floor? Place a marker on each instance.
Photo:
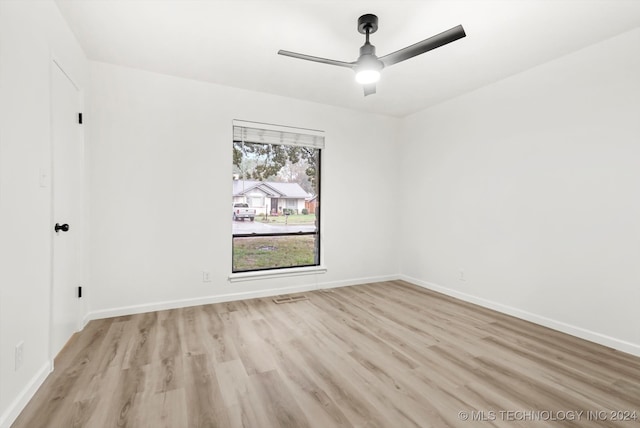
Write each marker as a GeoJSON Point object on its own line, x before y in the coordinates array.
{"type": "Point", "coordinates": [377, 355]}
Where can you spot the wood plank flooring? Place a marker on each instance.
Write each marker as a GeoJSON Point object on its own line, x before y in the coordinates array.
{"type": "Point", "coordinates": [376, 355]}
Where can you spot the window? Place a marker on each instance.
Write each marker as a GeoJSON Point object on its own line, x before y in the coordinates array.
{"type": "Point", "coordinates": [283, 164]}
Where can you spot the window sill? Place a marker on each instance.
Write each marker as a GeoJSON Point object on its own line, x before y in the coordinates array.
{"type": "Point", "coordinates": [280, 273]}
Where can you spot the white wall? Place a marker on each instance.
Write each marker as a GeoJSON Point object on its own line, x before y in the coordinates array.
{"type": "Point", "coordinates": [31, 33]}
{"type": "Point", "coordinates": [530, 186]}
{"type": "Point", "coordinates": [160, 179]}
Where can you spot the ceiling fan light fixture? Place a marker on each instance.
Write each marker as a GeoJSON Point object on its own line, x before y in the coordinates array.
{"type": "Point", "coordinates": [368, 68]}
{"type": "Point", "coordinates": [367, 76]}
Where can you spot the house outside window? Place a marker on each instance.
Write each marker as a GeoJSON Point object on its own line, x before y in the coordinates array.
{"type": "Point", "coordinates": [277, 171]}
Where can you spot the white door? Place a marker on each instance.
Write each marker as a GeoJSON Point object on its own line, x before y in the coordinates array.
{"type": "Point", "coordinates": [67, 147]}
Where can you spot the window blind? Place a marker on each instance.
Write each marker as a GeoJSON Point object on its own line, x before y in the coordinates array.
{"type": "Point", "coordinates": [254, 132]}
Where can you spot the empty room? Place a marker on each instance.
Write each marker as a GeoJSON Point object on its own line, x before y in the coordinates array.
{"type": "Point", "coordinates": [319, 213]}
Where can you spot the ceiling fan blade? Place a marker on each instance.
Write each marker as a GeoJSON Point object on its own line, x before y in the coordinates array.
{"type": "Point", "coordinates": [369, 89]}
{"type": "Point", "coordinates": [316, 59]}
{"type": "Point", "coordinates": [426, 45]}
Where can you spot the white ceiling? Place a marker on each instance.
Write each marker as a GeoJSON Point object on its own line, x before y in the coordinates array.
{"type": "Point", "coordinates": [235, 42]}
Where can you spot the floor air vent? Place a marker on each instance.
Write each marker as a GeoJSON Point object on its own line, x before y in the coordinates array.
{"type": "Point", "coordinates": [290, 299]}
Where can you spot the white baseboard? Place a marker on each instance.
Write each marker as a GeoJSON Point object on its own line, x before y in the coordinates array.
{"type": "Point", "coordinates": [612, 342]}
{"type": "Point", "coordinates": [182, 303]}
{"type": "Point", "coordinates": [573, 330]}
{"type": "Point", "coordinates": [15, 407]}
{"type": "Point", "coordinates": [357, 281]}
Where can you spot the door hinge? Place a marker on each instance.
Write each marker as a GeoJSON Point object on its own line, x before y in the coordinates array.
{"type": "Point", "coordinates": [79, 292]}
{"type": "Point", "coordinates": [80, 118]}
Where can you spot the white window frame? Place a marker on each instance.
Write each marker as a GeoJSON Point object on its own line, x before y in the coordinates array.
{"type": "Point", "coordinates": [276, 134]}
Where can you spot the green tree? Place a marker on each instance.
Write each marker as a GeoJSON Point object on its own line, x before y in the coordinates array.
{"type": "Point", "coordinates": [263, 162]}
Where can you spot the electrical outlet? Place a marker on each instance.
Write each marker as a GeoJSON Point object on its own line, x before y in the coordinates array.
{"type": "Point", "coordinates": [19, 354]}
{"type": "Point", "coordinates": [206, 276]}
{"type": "Point", "coordinates": [462, 277]}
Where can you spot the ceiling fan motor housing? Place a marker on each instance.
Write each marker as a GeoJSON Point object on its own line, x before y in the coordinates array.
{"type": "Point", "coordinates": [368, 59]}
{"type": "Point", "coordinates": [367, 49]}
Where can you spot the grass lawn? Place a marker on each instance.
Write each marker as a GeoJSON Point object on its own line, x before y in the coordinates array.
{"type": "Point", "coordinates": [292, 219]}
{"type": "Point", "coordinates": [273, 251]}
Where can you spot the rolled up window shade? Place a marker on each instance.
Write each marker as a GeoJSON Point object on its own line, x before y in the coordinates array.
{"type": "Point", "coordinates": [253, 132]}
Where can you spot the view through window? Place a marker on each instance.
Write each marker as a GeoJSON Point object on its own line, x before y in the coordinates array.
{"type": "Point", "coordinates": [276, 197]}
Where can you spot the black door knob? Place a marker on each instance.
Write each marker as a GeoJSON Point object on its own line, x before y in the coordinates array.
{"type": "Point", "coordinates": [64, 227]}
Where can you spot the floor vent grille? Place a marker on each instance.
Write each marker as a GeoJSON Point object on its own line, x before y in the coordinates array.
{"type": "Point", "coordinates": [289, 299]}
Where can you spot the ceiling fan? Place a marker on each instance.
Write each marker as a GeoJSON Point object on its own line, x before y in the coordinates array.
{"type": "Point", "coordinates": [368, 66]}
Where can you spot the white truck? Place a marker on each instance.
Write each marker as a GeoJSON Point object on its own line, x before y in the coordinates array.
{"type": "Point", "coordinates": [242, 211]}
